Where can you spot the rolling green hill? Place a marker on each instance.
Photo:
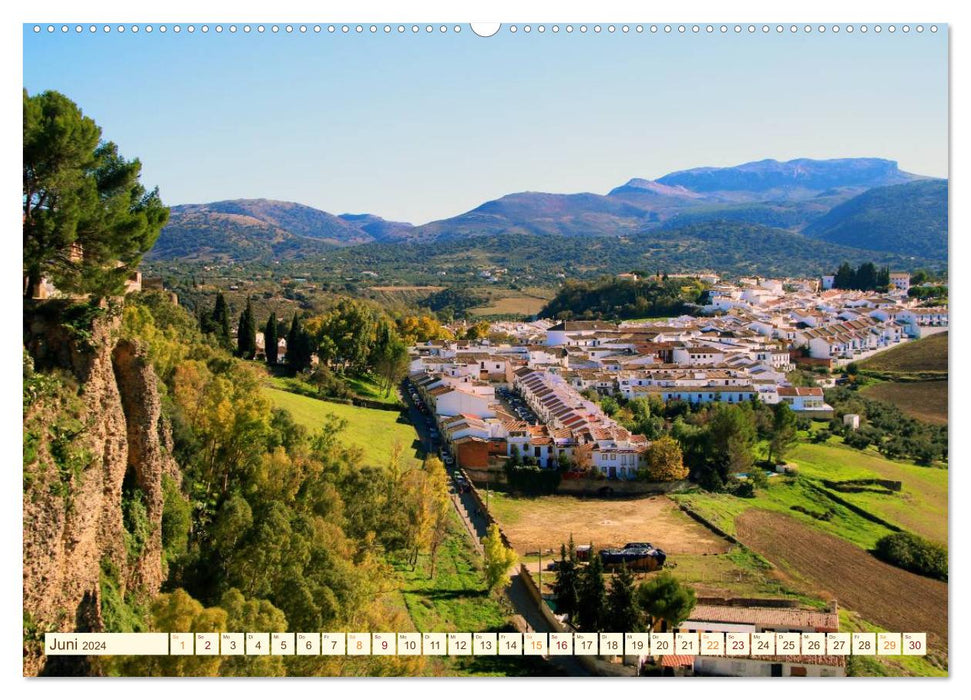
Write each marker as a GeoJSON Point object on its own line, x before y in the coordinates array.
{"type": "Point", "coordinates": [909, 219]}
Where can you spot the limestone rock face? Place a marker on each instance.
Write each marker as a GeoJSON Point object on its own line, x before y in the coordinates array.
{"type": "Point", "coordinates": [92, 442]}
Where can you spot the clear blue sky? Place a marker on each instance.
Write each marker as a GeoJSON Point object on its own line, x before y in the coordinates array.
{"type": "Point", "coordinates": [418, 128]}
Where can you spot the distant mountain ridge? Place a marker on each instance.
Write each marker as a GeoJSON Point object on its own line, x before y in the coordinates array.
{"type": "Point", "coordinates": [247, 229]}
{"type": "Point", "coordinates": [787, 195]}
{"type": "Point", "coordinates": [797, 195]}
{"type": "Point", "coordinates": [802, 175]}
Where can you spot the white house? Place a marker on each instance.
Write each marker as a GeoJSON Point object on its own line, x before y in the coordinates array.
{"type": "Point", "coordinates": [804, 398]}
{"type": "Point", "coordinates": [463, 398]}
{"type": "Point", "coordinates": [900, 281]}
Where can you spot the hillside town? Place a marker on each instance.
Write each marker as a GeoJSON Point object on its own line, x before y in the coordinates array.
{"type": "Point", "coordinates": [741, 346]}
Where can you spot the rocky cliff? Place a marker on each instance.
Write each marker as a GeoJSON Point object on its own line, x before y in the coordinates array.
{"type": "Point", "coordinates": [95, 442]}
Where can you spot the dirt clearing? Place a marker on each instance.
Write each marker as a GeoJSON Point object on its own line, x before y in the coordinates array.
{"type": "Point", "coordinates": [546, 522]}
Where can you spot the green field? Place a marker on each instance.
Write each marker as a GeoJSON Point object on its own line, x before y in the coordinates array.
{"type": "Point", "coordinates": [363, 387]}
{"type": "Point", "coordinates": [927, 355]}
{"type": "Point", "coordinates": [374, 431]}
{"type": "Point", "coordinates": [781, 495]}
{"type": "Point", "coordinates": [920, 507]}
{"type": "Point", "coordinates": [456, 600]}
{"type": "Point", "coordinates": [738, 573]}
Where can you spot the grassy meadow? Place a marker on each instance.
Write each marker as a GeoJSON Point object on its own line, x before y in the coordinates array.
{"type": "Point", "coordinates": [373, 430]}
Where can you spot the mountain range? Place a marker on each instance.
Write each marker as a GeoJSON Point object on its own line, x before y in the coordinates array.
{"type": "Point", "coordinates": [862, 203]}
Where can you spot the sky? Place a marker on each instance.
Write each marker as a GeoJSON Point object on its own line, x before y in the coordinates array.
{"type": "Point", "coordinates": [423, 127]}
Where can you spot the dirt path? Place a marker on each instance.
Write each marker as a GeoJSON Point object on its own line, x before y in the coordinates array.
{"type": "Point", "coordinates": [896, 600]}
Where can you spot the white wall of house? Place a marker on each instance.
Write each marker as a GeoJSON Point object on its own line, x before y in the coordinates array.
{"type": "Point", "coordinates": [458, 401]}
{"type": "Point", "coordinates": [741, 666]}
{"type": "Point", "coordinates": [806, 403]}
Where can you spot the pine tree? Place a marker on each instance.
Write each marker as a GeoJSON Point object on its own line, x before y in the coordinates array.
{"type": "Point", "coordinates": [271, 340]}
{"type": "Point", "coordinates": [623, 613]}
{"type": "Point", "coordinates": [592, 599]}
{"type": "Point", "coordinates": [87, 219]}
{"type": "Point", "coordinates": [666, 601]}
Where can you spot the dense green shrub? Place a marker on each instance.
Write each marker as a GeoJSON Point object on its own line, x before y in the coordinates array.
{"type": "Point", "coordinates": [914, 554]}
{"type": "Point", "coordinates": [176, 519]}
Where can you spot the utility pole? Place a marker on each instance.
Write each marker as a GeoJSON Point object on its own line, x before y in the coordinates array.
{"type": "Point", "coordinates": [541, 572]}
{"type": "Point", "coordinates": [488, 481]}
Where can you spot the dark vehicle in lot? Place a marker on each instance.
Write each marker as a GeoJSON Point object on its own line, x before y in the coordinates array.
{"type": "Point", "coordinates": [638, 556]}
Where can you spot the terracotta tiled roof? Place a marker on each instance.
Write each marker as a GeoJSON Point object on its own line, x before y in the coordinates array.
{"type": "Point", "coordinates": [800, 391]}
{"type": "Point", "coordinates": [677, 661]}
{"type": "Point", "coordinates": [791, 618]}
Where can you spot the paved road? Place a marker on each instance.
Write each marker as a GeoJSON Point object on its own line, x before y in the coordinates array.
{"type": "Point", "coordinates": [477, 526]}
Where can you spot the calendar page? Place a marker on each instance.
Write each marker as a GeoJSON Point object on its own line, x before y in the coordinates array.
{"type": "Point", "coordinates": [429, 348]}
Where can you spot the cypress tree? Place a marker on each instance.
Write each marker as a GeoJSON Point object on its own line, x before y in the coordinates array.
{"type": "Point", "coordinates": [246, 333]}
{"type": "Point", "coordinates": [220, 320]}
{"type": "Point", "coordinates": [565, 586]}
{"type": "Point", "coordinates": [623, 612]}
{"type": "Point", "coordinates": [866, 277]}
{"type": "Point", "coordinates": [270, 339]}
{"type": "Point", "coordinates": [845, 277]}
{"type": "Point", "coordinates": [883, 278]}
{"type": "Point", "coordinates": [298, 347]}
{"type": "Point", "coordinates": [592, 603]}
{"type": "Point", "coordinates": [241, 349]}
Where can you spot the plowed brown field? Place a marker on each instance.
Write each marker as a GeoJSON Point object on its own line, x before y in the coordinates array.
{"type": "Point", "coordinates": [896, 600]}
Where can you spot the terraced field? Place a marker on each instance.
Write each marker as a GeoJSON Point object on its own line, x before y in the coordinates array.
{"type": "Point", "coordinates": [883, 594]}
{"type": "Point", "coordinates": [921, 506]}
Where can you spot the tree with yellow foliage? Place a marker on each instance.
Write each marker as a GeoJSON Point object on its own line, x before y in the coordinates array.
{"type": "Point", "coordinates": [665, 461]}
{"type": "Point", "coordinates": [498, 558]}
